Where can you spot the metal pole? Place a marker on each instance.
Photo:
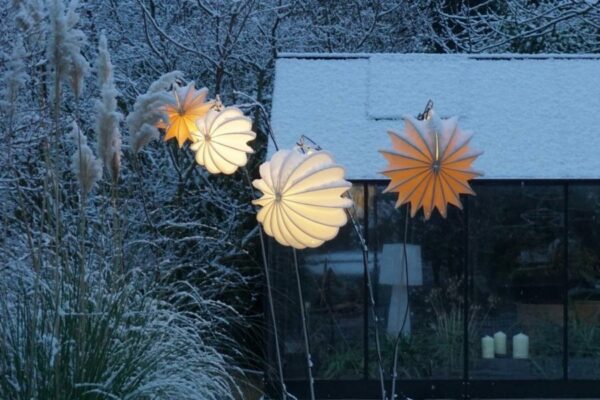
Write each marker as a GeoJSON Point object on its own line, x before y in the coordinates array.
{"type": "Point", "coordinates": [467, 277]}
{"type": "Point", "coordinates": [311, 382]}
{"type": "Point", "coordinates": [269, 295]}
{"type": "Point", "coordinates": [371, 299]}
{"type": "Point", "coordinates": [397, 343]}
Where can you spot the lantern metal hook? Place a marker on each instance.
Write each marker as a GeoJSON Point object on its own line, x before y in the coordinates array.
{"type": "Point", "coordinates": [218, 106]}
{"type": "Point", "coordinates": [307, 147]}
{"type": "Point", "coordinates": [427, 112]}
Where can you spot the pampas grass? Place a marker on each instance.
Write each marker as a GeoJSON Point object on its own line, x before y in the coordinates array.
{"type": "Point", "coordinates": [63, 48]}
{"type": "Point", "coordinates": [93, 303]}
{"type": "Point", "coordinates": [84, 164]}
{"type": "Point", "coordinates": [107, 117]}
{"type": "Point", "coordinates": [123, 341]}
{"type": "Point", "coordinates": [146, 112]}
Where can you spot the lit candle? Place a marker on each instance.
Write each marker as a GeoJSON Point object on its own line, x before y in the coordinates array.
{"type": "Point", "coordinates": [487, 347]}
{"type": "Point", "coordinates": [520, 346]}
{"type": "Point", "coordinates": [500, 343]}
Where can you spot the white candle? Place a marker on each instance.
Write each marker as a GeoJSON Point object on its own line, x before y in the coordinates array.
{"type": "Point", "coordinates": [520, 346]}
{"type": "Point", "coordinates": [500, 343]}
{"type": "Point", "coordinates": [487, 347]}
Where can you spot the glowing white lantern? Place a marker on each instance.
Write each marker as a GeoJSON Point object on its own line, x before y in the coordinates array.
{"type": "Point", "coordinates": [221, 141]}
{"type": "Point", "coordinates": [302, 203]}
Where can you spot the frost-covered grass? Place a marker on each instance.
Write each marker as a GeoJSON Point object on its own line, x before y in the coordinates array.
{"type": "Point", "coordinates": [122, 275]}
{"type": "Point", "coordinates": [111, 338]}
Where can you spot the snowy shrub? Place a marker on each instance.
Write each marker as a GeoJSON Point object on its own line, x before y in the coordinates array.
{"type": "Point", "coordinates": [121, 292]}
{"type": "Point", "coordinates": [108, 337]}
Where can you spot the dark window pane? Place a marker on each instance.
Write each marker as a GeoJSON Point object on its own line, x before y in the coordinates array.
{"type": "Point", "coordinates": [431, 317]}
{"type": "Point", "coordinates": [332, 286]}
{"type": "Point", "coordinates": [517, 266]}
{"type": "Point", "coordinates": [584, 281]}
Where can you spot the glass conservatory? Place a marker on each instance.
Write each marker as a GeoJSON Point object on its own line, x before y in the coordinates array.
{"type": "Point", "coordinates": [517, 269]}
{"type": "Point", "coordinates": [521, 258]}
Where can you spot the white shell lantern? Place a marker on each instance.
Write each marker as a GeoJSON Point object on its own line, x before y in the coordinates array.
{"type": "Point", "coordinates": [221, 141]}
{"type": "Point", "coordinates": [302, 203]}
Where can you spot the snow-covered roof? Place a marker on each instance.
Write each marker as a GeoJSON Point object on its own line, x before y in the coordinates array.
{"type": "Point", "coordinates": [533, 116]}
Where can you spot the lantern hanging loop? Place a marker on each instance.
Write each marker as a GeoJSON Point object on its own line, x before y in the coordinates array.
{"type": "Point", "coordinates": [309, 147]}
{"type": "Point", "coordinates": [426, 114]}
{"type": "Point", "coordinates": [218, 105]}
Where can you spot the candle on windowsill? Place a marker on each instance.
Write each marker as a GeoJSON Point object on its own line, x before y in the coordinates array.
{"type": "Point", "coordinates": [520, 346]}
{"type": "Point", "coordinates": [500, 343]}
{"type": "Point", "coordinates": [487, 347]}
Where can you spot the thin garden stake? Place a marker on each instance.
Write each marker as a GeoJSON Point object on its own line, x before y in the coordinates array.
{"type": "Point", "coordinates": [269, 294]}
{"type": "Point", "coordinates": [263, 249]}
{"type": "Point", "coordinates": [373, 311]}
{"type": "Point", "coordinates": [309, 363]}
{"type": "Point", "coordinates": [399, 337]}
{"type": "Point", "coordinates": [365, 258]}
{"type": "Point", "coordinates": [311, 383]}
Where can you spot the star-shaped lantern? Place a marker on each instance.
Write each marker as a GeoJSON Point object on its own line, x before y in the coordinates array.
{"type": "Point", "coordinates": [185, 107]}
{"type": "Point", "coordinates": [430, 164]}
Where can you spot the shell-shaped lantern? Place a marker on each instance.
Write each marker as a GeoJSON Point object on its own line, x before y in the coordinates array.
{"type": "Point", "coordinates": [430, 164]}
{"type": "Point", "coordinates": [302, 203]}
{"type": "Point", "coordinates": [183, 109]}
{"type": "Point", "coordinates": [221, 141]}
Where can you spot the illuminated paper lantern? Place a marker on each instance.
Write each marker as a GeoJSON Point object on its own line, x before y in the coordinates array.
{"type": "Point", "coordinates": [184, 108]}
{"type": "Point", "coordinates": [221, 140]}
{"type": "Point", "coordinates": [302, 203]}
{"type": "Point", "coordinates": [430, 164]}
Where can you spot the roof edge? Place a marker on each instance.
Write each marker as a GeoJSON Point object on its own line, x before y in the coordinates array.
{"type": "Point", "coordinates": [482, 56]}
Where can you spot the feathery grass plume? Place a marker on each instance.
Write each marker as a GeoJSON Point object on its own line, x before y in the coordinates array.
{"type": "Point", "coordinates": [64, 47]}
{"type": "Point", "coordinates": [83, 162]}
{"type": "Point", "coordinates": [14, 77]}
{"type": "Point", "coordinates": [124, 344]}
{"type": "Point", "coordinates": [30, 13]}
{"type": "Point", "coordinates": [147, 111]}
{"type": "Point", "coordinates": [107, 116]}
{"type": "Point", "coordinates": [76, 40]}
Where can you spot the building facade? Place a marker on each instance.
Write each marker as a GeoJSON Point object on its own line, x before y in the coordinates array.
{"type": "Point", "coordinates": [521, 260]}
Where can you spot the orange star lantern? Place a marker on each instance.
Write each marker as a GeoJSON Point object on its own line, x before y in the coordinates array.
{"type": "Point", "coordinates": [430, 164]}
{"type": "Point", "coordinates": [186, 106]}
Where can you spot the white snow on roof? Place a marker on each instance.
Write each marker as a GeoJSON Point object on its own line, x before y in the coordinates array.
{"type": "Point", "coordinates": [533, 116]}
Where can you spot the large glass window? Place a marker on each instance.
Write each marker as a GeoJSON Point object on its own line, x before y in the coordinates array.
{"type": "Point", "coordinates": [423, 312]}
{"type": "Point", "coordinates": [518, 269]}
{"type": "Point", "coordinates": [516, 243]}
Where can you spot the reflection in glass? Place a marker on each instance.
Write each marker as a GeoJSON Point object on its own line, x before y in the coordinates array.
{"type": "Point", "coordinates": [516, 263]}
{"type": "Point", "coordinates": [332, 283]}
{"type": "Point", "coordinates": [429, 310]}
{"type": "Point", "coordinates": [518, 273]}
{"type": "Point", "coordinates": [584, 281]}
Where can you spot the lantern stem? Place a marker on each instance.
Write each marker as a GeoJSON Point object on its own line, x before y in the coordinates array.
{"type": "Point", "coordinates": [269, 294]}
{"type": "Point", "coordinates": [373, 310]}
{"type": "Point", "coordinates": [311, 383]}
{"type": "Point", "coordinates": [266, 117]}
{"type": "Point", "coordinates": [305, 148]}
{"type": "Point", "coordinates": [399, 337]}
